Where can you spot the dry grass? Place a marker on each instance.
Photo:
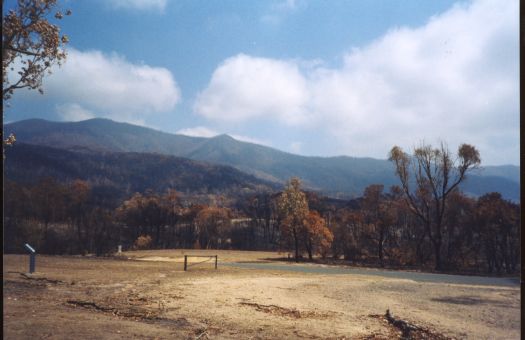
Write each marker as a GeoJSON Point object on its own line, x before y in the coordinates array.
{"type": "Point", "coordinates": [115, 298]}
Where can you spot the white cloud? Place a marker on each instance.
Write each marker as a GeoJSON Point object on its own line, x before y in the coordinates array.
{"type": "Point", "coordinates": [288, 5]}
{"type": "Point", "coordinates": [453, 79]}
{"type": "Point", "coordinates": [202, 131]}
{"type": "Point", "coordinates": [198, 131]}
{"type": "Point", "coordinates": [245, 87]}
{"type": "Point", "coordinates": [94, 83]}
{"type": "Point", "coordinates": [74, 112]}
{"type": "Point", "coordinates": [295, 147]}
{"type": "Point", "coordinates": [277, 12]}
{"type": "Point", "coordinates": [139, 4]}
{"type": "Point", "coordinates": [249, 139]}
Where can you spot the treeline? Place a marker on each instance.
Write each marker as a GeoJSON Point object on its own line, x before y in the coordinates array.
{"type": "Point", "coordinates": [78, 218]}
{"type": "Point", "coordinates": [380, 228]}
{"type": "Point", "coordinates": [477, 234]}
{"type": "Point", "coordinates": [426, 222]}
{"type": "Point", "coordinates": [57, 218]}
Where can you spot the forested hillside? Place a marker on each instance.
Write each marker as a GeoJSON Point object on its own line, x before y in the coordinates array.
{"type": "Point", "coordinates": [342, 176]}
{"type": "Point", "coordinates": [127, 173]}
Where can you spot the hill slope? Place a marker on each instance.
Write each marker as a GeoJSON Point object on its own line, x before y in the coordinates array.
{"type": "Point", "coordinates": [336, 176]}
{"type": "Point", "coordinates": [127, 172]}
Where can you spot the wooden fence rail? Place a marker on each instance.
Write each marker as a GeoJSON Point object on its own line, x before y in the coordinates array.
{"type": "Point", "coordinates": [209, 256]}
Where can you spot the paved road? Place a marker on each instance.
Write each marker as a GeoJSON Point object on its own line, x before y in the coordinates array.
{"type": "Point", "coordinates": [415, 276]}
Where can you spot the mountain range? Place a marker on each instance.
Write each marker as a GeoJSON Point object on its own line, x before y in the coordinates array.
{"type": "Point", "coordinates": [123, 173]}
{"type": "Point", "coordinates": [341, 176]}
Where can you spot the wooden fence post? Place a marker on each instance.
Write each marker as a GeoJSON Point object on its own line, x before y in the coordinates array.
{"type": "Point", "coordinates": [215, 261]}
{"type": "Point", "coordinates": [185, 262]}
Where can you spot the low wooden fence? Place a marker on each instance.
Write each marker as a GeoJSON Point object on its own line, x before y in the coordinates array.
{"type": "Point", "coordinates": [208, 256]}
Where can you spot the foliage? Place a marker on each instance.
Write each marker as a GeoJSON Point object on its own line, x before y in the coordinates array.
{"type": "Point", "coordinates": [376, 216]}
{"type": "Point", "coordinates": [318, 237]}
{"type": "Point", "coordinates": [57, 218]}
{"type": "Point", "coordinates": [148, 213]}
{"type": "Point", "coordinates": [499, 229]}
{"type": "Point", "coordinates": [142, 242]}
{"type": "Point", "coordinates": [348, 233]}
{"type": "Point", "coordinates": [71, 218]}
{"type": "Point", "coordinates": [31, 45]}
{"type": "Point", "coordinates": [9, 141]}
{"type": "Point", "coordinates": [437, 175]}
{"type": "Point", "coordinates": [293, 209]}
{"type": "Point", "coordinates": [299, 224]}
{"type": "Point", "coordinates": [212, 224]}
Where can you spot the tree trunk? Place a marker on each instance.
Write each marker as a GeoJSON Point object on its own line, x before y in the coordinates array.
{"type": "Point", "coordinates": [79, 236]}
{"type": "Point", "coordinates": [437, 252]}
{"type": "Point", "coordinates": [419, 251]}
{"type": "Point", "coordinates": [46, 225]}
{"type": "Point", "coordinates": [157, 237]}
{"type": "Point", "coordinates": [380, 246]}
{"type": "Point", "coordinates": [309, 247]}
{"type": "Point", "coordinates": [296, 241]}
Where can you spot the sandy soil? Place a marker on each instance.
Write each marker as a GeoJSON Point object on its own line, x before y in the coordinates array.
{"type": "Point", "coordinates": [153, 298]}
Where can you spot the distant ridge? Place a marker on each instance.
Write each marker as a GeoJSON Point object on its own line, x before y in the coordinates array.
{"type": "Point", "coordinates": [341, 176]}
{"type": "Point", "coordinates": [100, 134]}
{"type": "Point", "coordinates": [128, 172]}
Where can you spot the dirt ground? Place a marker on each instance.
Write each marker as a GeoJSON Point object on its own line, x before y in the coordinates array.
{"type": "Point", "coordinates": [147, 295]}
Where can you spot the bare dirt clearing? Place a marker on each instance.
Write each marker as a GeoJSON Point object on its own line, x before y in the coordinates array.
{"type": "Point", "coordinates": [112, 298]}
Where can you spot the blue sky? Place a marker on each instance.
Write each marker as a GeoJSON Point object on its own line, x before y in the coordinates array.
{"type": "Point", "coordinates": [310, 77]}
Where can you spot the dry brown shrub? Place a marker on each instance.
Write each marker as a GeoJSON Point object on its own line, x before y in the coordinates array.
{"type": "Point", "coordinates": [142, 242]}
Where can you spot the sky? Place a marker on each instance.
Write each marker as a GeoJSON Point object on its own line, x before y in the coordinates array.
{"type": "Point", "coordinates": [310, 77]}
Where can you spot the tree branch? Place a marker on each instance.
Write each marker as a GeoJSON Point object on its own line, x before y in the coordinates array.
{"type": "Point", "coordinates": [11, 48]}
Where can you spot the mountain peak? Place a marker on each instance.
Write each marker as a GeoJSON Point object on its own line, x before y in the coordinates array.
{"type": "Point", "coordinates": [223, 136]}
{"type": "Point", "coordinates": [97, 119]}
